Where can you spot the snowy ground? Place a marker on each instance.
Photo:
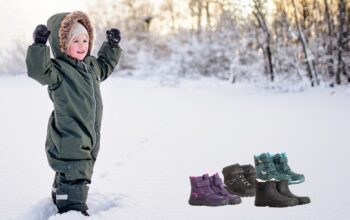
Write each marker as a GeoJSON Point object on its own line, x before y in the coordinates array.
{"type": "Point", "coordinates": [154, 137]}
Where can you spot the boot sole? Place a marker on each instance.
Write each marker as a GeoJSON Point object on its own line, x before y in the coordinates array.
{"type": "Point", "coordinates": [235, 202]}
{"type": "Point", "coordinates": [296, 182]}
{"type": "Point", "coordinates": [304, 203]}
{"type": "Point", "coordinates": [275, 205]}
{"type": "Point", "coordinates": [201, 203]}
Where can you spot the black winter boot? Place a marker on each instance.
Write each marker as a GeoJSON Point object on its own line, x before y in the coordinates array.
{"type": "Point", "coordinates": [249, 173]}
{"type": "Point", "coordinates": [54, 189]}
{"type": "Point", "coordinates": [84, 213]}
{"type": "Point", "coordinates": [235, 181]}
{"type": "Point", "coordinates": [53, 195]}
{"type": "Point", "coordinates": [283, 188]}
{"type": "Point", "coordinates": [266, 194]}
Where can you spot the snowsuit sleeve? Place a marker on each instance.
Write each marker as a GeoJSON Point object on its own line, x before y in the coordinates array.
{"type": "Point", "coordinates": [107, 59]}
{"type": "Point", "coordinates": [39, 65]}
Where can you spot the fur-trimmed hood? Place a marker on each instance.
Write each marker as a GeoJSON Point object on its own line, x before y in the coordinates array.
{"type": "Point", "coordinates": [60, 25]}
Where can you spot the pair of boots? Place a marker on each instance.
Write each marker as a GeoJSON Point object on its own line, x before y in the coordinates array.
{"type": "Point", "coordinates": [239, 179]}
{"type": "Point", "coordinates": [275, 167]}
{"type": "Point", "coordinates": [276, 194]}
{"type": "Point", "coordinates": [209, 191]}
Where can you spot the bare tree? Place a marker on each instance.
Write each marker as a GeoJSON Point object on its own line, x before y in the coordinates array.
{"type": "Point", "coordinates": [199, 9]}
{"type": "Point", "coordinates": [300, 34]}
{"type": "Point", "coordinates": [196, 13]}
{"type": "Point", "coordinates": [207, 10]}
{"type": "Point", "coordinates": [168, 6]}
{"type": "Point", "coordinates": [342, 40]}
{"type": "Point", "coordinates": [266, 45]}
{"type": "Point", "coordinates": [310, 62]}
{"type": "Point", "coordinates": [329, 41]}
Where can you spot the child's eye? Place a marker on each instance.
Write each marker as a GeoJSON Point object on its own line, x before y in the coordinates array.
{"type": "Point", "coordinates": [85, 41]}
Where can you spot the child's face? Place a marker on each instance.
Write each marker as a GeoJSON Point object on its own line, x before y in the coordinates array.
{"type": "Point", "coordinates": [79, 46]}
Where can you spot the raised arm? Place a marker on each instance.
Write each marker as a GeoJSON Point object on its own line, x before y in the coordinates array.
{"type": "Point", "coordinates": [109, 53]}
{"type": "Point", "coordinates": [39, 65]}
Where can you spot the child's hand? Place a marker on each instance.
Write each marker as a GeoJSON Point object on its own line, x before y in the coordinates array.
{"type": "Point", "coordinates": [113, 37]}
{"type": "Point", "coordinates": [41, 34]}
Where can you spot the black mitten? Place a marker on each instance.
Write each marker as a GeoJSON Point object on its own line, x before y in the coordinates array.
{"type": "Point", "coordinates": [41, 34]}
{"type": "Point", "coordinates": [113, 37]}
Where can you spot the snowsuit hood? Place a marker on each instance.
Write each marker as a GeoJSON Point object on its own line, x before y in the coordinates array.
{"type": "Point", "coordinates": [60, 24]}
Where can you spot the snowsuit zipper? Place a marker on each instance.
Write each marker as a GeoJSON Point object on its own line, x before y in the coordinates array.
{"type": "Point", "coordinates": [94, 108]}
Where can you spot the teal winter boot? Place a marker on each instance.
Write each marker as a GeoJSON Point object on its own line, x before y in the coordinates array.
{"type": "Point", "coordinates": [281, 164]}
{"type": "Point", "coordinates": [266, 170]}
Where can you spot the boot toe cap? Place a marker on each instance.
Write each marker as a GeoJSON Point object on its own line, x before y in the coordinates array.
{"type": "Point", "coordinates": [297, 179]}
{"type": "Point", "coordinates": [304, 200]}
{"type": "Point", "coordinates": [235, 201]}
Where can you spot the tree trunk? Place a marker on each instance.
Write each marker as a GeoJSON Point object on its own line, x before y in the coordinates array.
{"type": "Point", "coordinates": [267, 45]}
{"type": "Point", "coordinates": [308, 57]}
{"type": "Point", "coordinates": [329, 43]}
{"type": "Point", "coordinates": [199, 16]}
{"type": "Point", "coordinates": [341, 19]}
{"type": "Point", "coordinates": [208, 15]}
{"type": "Point", "coordinates": [170, 7]}
{"type": "Point", "coordinates": [269, 57]}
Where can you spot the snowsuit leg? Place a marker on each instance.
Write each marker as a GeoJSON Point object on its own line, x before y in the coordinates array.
{"type": "Point", "coordinates": [72, 173]}
{"type": "Point", "coordinates": [70, 188]}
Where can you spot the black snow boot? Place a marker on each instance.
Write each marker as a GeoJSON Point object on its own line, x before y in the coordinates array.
{"type": "Point", "coordinates": [54, 189]}
{"type": "Point", "coordinates": [62, 211]}
{"type": "Point", "coordinates": [283, 188]}
{"type": "Point", "coordinates": [249, 173]}
{"type": "Point", "coordinates": [85, 213]}
{"type": "Point", "coordinates": [266, 194]}
{"type": "Point", "coordinates": [53, 196]}
{"type": "Point", "coordinates": [235, 181]}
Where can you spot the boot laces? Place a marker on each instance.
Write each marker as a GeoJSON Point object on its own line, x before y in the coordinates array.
{"type": "Point", "coordinates": [239, 178]}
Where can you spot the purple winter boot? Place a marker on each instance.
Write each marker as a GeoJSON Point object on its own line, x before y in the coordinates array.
{"type": "Point", "coordinates": [203, 194]}
{"type": "Point", "coordinates": [217, 186]}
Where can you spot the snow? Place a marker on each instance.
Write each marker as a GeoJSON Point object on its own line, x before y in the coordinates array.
{"type": "Point", "coordinates": [155, 135]}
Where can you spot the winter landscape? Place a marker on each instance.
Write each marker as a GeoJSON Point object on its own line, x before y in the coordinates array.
{"type": "Point", "coordinates": [201, 85]}
{"type": "Point", "coordinates": [155, 137]}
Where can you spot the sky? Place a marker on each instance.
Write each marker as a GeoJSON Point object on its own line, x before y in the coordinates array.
{"type": "Point", "coordinates": [18, 18]}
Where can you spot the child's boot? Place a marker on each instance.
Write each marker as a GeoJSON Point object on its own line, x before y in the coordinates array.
{"type": "Point", "coordinates": [283, 188]}
{"type": "Point", "coordinates": [217, 186]}
{"type": "Point", "coordinates": [266, 194]}
{"type": "Point", "coordinates": [249, 173]}
{"type": "Point", "coordinates": [202, 193]}
{"type": "Point", "coordinates": [266, 170]}
{"type": "Point", "coordinates": [281, 164]}
{"type": "Point", "coordinates": [235, 181]}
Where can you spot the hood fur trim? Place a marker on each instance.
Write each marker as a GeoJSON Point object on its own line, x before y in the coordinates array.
{"type": "Point", "coordinates": [66, 25]}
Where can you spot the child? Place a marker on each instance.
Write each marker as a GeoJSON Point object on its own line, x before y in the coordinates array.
{"type": "Point", "coordinates": [73, 78]}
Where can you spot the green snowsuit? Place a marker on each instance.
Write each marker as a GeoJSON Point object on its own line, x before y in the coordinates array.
{"type": "Point", "coordinates": [73, 134]}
